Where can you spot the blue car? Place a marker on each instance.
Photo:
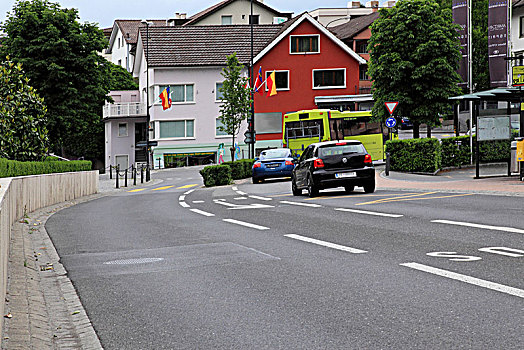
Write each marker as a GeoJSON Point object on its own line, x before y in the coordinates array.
{"type": "Point", "coordinates": [272, 163]}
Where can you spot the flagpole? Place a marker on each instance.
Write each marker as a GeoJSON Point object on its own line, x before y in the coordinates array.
{"type": "Point", "coordinates": [251, 147]}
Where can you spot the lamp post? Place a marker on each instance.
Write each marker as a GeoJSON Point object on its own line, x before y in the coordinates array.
{"type": "Point", "coordinates": [251, 127]}
{"type": "Point", "coordinates": [148, 171]}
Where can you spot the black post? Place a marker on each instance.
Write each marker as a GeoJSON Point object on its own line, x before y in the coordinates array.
{"type": "Point", "coordinates": [521, 132]}
{"type": "Point", "coordinates": [388, 163]}
{"type": "Point", "coordinates": [477, 146]}
{"type": "Point", "coordinates": [142, 174]}
{"type": "Point", "coordinates": [148, 117]}
{"type": "Point", "coordinates": [110, 172]}
{"type": "Point", "coordinates": [252, 123]}
{"type": "Point", "coordinates": [117, 175]}
{"type": "Point", "coordinates": [125, 178]}
{"type": "Point", "coordinates": [456, 120]}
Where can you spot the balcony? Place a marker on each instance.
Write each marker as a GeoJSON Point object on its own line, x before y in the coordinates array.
{"type": "Point", "coordinates": [122, 110]}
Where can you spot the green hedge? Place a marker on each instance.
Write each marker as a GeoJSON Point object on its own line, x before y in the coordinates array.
{"type": "Point", "coordinates": [216, 175]}
{"type": "Point", "coordinates": [12, 168]}
{"type": "Point", "coordinates": [240, 169]}
{"type": "Point", "coordinates": [414, 155]}
{"type": "Point", "coordinates": [456, 151]}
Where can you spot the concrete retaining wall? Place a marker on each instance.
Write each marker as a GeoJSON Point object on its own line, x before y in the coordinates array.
{"type": "Point", "coordinates": [25, 194]}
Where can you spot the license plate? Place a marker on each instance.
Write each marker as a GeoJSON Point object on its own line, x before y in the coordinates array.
{"type": "Point", "coordinates": [272, 165]}
{"type": "Point", "coordinates": [342, 175]}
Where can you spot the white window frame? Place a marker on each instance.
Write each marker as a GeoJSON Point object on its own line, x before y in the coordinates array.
{"type": "Point", "coordinates": [158, 100]}
{"type": "Point", "coordinates": [127, 130]}
{"type": "Point", "coordinates": [216, 91]}
{"type": "Point", "coordinates": [185, 129]}
{"type": "Point", "coordinates": [220, 136]}
{"type": "Point", "coordinates": [222, 20]}
{"type": "Point", "coordinates": [268, 72]}
{"type": "Point", "coordinates": [328, 87]}
{"type": "Point", "coordinates": [304, 53]}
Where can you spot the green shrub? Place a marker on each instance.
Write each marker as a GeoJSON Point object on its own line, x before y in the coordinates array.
{"type": "Point", "coordinates": [456, 151]}
{"type": "Point", "coordinates": [414, 155]}
{"type": "Point", "coordinates": [237, 170]}
{"type": "Point", "coordinates": [12, 168]}
{"type": "Point", "coordinates": [216, 175]}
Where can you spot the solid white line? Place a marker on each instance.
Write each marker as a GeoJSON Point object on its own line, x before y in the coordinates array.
{"type": "Point", "coordinates": [241, 193]}
{"type": "Point", "coordinates": [247, 224]}
{"type": "Point", "coordinates": [488, 227]}
{"type": "Point", "coordinates": [201, 212]}
{"type": "Point", "coordinates": [326, 244]}
{"type": "Point", "coordinates": [184, 204]}
{"type": "Point", "coordinates": [467, 279]}
{"type": "Point", "coordinates": [181, 198]}
{"type": "Point", "coordinates": [261, 198]}
{"type": "Point", "coordinates": [302, 204]}
{"type": "Point", "coordinates": [198, 202]}
{"type": "Point", "coordinates": [188, 192]}
{"type": "Point", "coordinates": [369, 212]}
{"type": "Point", "coordinates": [234, 188]}
{"type": "Point", "coordinates": [239, 198]}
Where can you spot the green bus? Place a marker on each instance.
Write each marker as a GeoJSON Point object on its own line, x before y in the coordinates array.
{"type": "Point", "coordinates": [303, 128]}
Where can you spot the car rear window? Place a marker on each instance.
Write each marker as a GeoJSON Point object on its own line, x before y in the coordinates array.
{"type": "Point", "coordinates": [340, 149]}
{"type": "Point", "coordinates": [274, 153]}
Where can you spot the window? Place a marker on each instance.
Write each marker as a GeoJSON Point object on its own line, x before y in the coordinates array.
{"type": "Point", "coordinates": [120, 63]}
{"type": "Point", "coordinates": [118, 43]}
{"type": "Point", "coordinates": [521, 27]}
{"type": "Point", "coordinates": [255, 19]}
{"type": "Point", "coordinates": [227, 20]}
{"type": "Point", "coordinates": [362, 46]}
{"type": "Point", "coordinates": [304, 43]}
{"type": "Point", "coordinates": [178, 128]}
{"type": "Point", "coordinates": [122, 129]}
{"type": "Point", "coordinates": [363, 72]}
{"type": "Point", "coordinates": [329, 78]}
{"type": "Point", "coordinates": [179, 93]}
{"type": "Point", "coordinates": [281, 79]}
{"type": "Point", "coordinates": [219, 132]}
{"type": "Point", "coordinates": [219, 95]}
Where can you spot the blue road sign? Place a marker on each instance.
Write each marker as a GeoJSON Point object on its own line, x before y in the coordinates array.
{"type": "Point", "coordinates": [391, 122]}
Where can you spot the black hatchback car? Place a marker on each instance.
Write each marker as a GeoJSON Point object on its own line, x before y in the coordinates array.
{"type": "Point", "coordinates": [333, 164]}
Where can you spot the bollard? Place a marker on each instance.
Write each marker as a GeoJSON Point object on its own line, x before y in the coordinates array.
{"type": "Point", "coordinates": [125, 178]}
{"type": "Point", "coordinates": [110, 172]}
{"type": "Point", "coordinates": [387, 163]}
{"type": "Point", "coordinates": [117, 175]}
{"type": "Point", "coordinates": [142, 174]}
{"type": "Point", "coordinates": [134, 175]}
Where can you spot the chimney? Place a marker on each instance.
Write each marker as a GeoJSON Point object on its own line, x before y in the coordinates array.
{"type": "Point", "coordinates": [353, 4]}
{"type": "Point", "coordinates": [390, 3]}
{"type": "Point", "coordinates": [183, 15]}
{"type": "Point", "coordinates": [372, 4]}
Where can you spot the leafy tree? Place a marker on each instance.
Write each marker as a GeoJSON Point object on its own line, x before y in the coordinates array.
{"type": "Point", "coordinates": [237, 99]}
{"type": "Point", "coordinates": [120, 78]}
{"type": "Point", "coordinates": [22, 116]}
{"type": "Point", "coordinates": [60, 57]}
{"type": "Point", "coordinates": [414, 55]}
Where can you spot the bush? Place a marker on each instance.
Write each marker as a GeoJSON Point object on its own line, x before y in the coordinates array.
{"type": "Point", "coordinates": [216, 175]}
{"type": "Point", "coordinates": [12, 168]}
{"type": "Point", "coordinates": [456, 151]}
{"type": "Point", "coordinates": [414, 155]}
{"type": "Point", "coordinates": [240, 169]}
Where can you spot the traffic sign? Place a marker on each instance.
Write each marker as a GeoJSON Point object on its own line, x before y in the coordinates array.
{"type": "Point", "coordinates": [391, 122]}
{"type": "Point", "coordinates": [391, 106]}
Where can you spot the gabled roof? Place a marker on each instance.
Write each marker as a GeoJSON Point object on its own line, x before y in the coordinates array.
{"type": "Point", "coordinates": [355, 26]}
{"type": "Point", "coordinates": [210, 10]}
{"type": "Point", "coordinates": [129, 29]}
{"type": "Point", "coordinates": [186, 46]}
{"type": "Point", "coordinates": [289, 26]}
{"type": "Point", "coordinates": [518, 3]}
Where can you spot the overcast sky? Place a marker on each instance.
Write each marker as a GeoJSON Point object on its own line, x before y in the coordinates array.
{"type": "Point", "coordinates": [104, 12]}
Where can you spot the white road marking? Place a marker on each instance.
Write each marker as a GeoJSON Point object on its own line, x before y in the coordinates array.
{"type": "Point", "coordinates": [261, 198]}
{"type": "Point", "coordinates": [239, 198]}
{"type": "Point", "coordinates": [184, 204]}
{"type": "Point", "coordinates": [302, 204]}
{"type": "Point", "coordinates": [198, 202]}
{"type": "Point", "coordinates": [488, 227]}
{"type": "Point", "coordinates": [467, 279]}
{"type": "Point", "coordinates": [242, 206]}
{"type": "Point", "coordinates": [370, 212]}
{"type": "Point", "coordinates": [247, 224]}
{"type": "Point", "coordinates": [234, 188]}
{"type": "Point", "coordinates": [182, 198]}
{"type": "Point", "coordinates": [326, 244]}
{"type": "Point", "coordinates": [188, 192]}
{"type": "Point", "coordinates": [201, 212]}
{"type": "Point", "coordinates": [242, 193]}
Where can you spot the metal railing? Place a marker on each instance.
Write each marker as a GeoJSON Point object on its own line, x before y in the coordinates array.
{"type": "Point", "coordinates": [132, 171]}
{"type": "Point", "coordinates": [131, 109]}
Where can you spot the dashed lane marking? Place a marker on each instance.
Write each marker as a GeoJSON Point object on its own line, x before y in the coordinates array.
{"type": "Point", "coordinates": [199, 202]}
{"type": "Point", "coordinates": [370, 212]}
{"type": "Point", "coordinates": [467, 279]}
{"type": "Point", "coordinates": [201, 212]}
{"type": "Point", "coordinates": [187, 186]}
{"type": "Point", "coordinates": [162, 188]}
{"type": "Point", "coordinates": [327, 244]}
{"type": "Point", "coordinates": [260, 198]}
{"type": "Point", "coordinates": [246, 224]}
{"type": "Point", "coordinates": [137, 190]}
{"type": "Point", "coordinates": [239, 198]}
{"type": "Point", "coordinates": [487, 227]}
{"type": "Point", "coordinates": [312, 205]}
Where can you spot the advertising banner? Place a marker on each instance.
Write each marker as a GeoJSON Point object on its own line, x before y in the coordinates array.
{"type": "Point", "coordinates": [460, 17]}
{"type": "Point", "coordinates": [498, 41]}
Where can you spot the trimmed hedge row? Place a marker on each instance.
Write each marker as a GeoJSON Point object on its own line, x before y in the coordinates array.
{"type": "Point", "coordinates": [225, 173]}
{"type": "Point", "coordinates": [414, 155]}
{"type": "Point", "coordinates": [12, 168]}
{"type": "Point", "coordinates": [456, 151]}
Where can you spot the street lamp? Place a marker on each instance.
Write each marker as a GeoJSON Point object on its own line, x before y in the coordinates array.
{"type": "Point", "coordinates": [148, 171]}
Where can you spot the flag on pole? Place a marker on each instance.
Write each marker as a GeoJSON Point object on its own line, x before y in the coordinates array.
{"type": "Point", "coordinates": [271, 86]}
{"type": "Point", "coordinates": [165, 96]}
{"type": "Point", "coordinates": [258, 82]}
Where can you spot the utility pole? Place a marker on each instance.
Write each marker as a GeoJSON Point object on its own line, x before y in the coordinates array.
{"type": "Point", "coordinates": [148, 171]}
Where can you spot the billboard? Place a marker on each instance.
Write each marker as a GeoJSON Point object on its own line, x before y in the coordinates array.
{"type": "Point", "coordinates": [460, 17]}
{"type": "Point", "coordinates": [498, 41]}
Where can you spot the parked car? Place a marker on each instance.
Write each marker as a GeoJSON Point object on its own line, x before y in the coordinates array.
{"type": "Point", "coordinates": [273, 163]}
{"type": "Point", "coordinates": [333, 164]}
{"type": "Point", "coordinates": [405, 123]}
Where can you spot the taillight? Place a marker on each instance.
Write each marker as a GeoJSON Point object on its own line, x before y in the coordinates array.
{"type": "Point", "coordinates": [257, 165]}
{"type": "Point", "coordinates": [340, 144]}
{"type": "Point", "coordinates": [367, 159]}
{"type": "Point", "coordinates": [318, 163]}
{"type": "Point", "coordinates": [288, 162]}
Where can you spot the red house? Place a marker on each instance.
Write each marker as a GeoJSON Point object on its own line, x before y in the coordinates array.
{"type": "Point", "coordinates": [308, 61]}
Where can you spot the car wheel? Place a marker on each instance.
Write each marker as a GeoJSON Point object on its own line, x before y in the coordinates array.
{"type": "Point", "coordinates": [294, 189]}
{"type": "Point", "coordinates": [256, 180]}
{"type": "Point", "coordinates": [369, 187]}
{"type": "Point", "coordinates": [349, 188]}
{"type": "Point", "coordinates": [312, 190]}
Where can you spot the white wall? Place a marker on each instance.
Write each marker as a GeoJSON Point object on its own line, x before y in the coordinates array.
{"type": "Point", "coordinates": [517, 43]}
{"type": "Point", "coordinates": [240, 10]}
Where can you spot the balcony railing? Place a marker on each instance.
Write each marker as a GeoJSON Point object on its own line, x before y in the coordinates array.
{"type": "Point", "coordinates": [132, 109]}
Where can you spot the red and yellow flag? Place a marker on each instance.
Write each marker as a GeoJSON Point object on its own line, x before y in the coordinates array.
{"type": "Point", "coordinates": [165, 96]}
{"type": "Point", "coordinates": [271, 86]}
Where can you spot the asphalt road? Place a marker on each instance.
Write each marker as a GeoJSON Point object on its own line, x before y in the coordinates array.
{"type": "Point", "coordinates": [179, 266]}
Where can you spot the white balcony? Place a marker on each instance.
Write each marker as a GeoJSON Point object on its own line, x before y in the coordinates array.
{"type": "Point", "coordinates": [122, 110]}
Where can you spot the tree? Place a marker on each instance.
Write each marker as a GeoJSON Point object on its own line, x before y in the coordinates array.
{"type": "Point", "coordinates": [22, 116]}
{"type": "Point", "coordinates": [60, 57]}
{"type": "Point", "coordinates": [414, 55]}
{"type": "Point", "coordinates": [236, 106]}
{"type": "Point", "coordinates": [120, 78]}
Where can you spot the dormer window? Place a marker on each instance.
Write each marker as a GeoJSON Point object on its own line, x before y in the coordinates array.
{"type": "Point", "coordinates": [304, 44]}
